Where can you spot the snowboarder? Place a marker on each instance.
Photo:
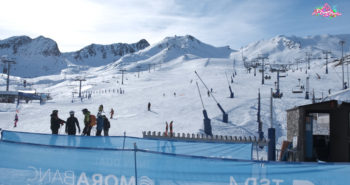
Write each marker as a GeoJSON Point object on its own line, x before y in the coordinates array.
{"type": "Point", "coordinates": [16, 120]}
{"type": "Point", "coordinates": [99, 124]}
{"type": "Point", "coordinates": [171, 128]}
{"type": "Point", "coordinates": [100, 108]}
{"type": "Point", "coordinates": [106, 125]}
{"type": "Point", "coordinates": [166, 129]}
{"type": "Point", "coordinates": [112, 113]}
{"type": "Point", "coordinates": [70, 125]}
{"type": "Point", "coordinates": [149, 106]}
{"type": "Point", "coordinates": [87, 128]}
{"type": "Point", "coordinates": [55, 122]}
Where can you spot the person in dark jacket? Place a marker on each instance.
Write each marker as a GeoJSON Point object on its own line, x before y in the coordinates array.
{"type": "Point", "coordinates": [55, 122]}
{"type": "Point", "coordinates": [70, 125]}
{"type": "Point", "coordinates": [106, 125]}
{"type": "Point", "coordinates": [99, 124]}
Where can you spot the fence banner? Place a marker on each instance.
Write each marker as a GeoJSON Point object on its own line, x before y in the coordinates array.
{"type": "Point", "coordinates": [43, 164]}
{"type": "Point", "coordinates": [206, 149]}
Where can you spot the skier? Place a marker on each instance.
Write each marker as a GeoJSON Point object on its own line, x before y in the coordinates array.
{"type": "Point", "coordinates": [166, 129]}
{"type": "Point", "coordinates": [70, 125]}
{"type": "Point", "coordinates": [99, 124]}
{"type": "Point", "coordinates": [112, 113]}
{"type": "Point", "coordinates": [149, 106]}
{"type": "Point", "coordinates": [16, 120]}
{"type": "Point", "coordinates": [171, 128]}
{"type": "Point", "coordinates": [100, 109]}
{"type": "Point", "coordinates": [87, 128]}
{"type": "Point", "coordinates": [106, 125]}
{"type": "Point", "coordinates": [208, 93]}
{"type": "Point", "coordinates": [55, 122]}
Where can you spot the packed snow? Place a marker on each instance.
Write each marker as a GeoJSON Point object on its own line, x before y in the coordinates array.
{"type": "Point", "coordinates": [167, 80]}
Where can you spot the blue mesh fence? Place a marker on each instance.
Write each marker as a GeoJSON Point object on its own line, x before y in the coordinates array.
{"type": "Point", "coordinates": [206, 149]}
{"type": "Point", "coordinates": [23, 163]}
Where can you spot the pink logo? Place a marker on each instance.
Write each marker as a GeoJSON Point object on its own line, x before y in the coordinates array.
{"type": "Point", "coordinates": [326, 11]}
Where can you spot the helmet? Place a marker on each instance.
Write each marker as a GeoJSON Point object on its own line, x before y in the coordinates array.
{"type": "Point", "coordinates": [54, 111]}
{"type": "Point", "coordinates": [84, 110]}
{"type": "Point", "coordinates": [71, 112]}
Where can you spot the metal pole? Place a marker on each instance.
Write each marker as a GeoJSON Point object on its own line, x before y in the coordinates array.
{"type": "Point", "coordinates": [200, 95]}
{"type": "Point", "coordinates": [341, 60]}
{"type": "Point", "coordinates": [271, 113]}
{"type": "Point", "coordinates": [135, 149]}
{"type": "Point", "coordinates": [8, 76]}
{"type": "Point", "coordinates": [263, 70]}
{"type": "Point", "coordinates": [79, 88]}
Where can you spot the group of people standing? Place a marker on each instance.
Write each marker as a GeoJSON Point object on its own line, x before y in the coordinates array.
{"type": "Point", "coordinates": [102, 123]}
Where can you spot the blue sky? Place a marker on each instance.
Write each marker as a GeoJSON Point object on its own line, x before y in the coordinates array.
{"type": "Point", "coordinates": [74, 24]}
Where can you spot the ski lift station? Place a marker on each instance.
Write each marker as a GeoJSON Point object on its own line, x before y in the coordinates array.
{"type": "Point", "coordinates": [319, 132]}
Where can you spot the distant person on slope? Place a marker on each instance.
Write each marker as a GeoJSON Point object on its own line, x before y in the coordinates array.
{"type": "Point", "coordinates": [112, 113]}
{"type": "Point", "coordinates": [149, 106]}
{"type": "Point", "coordinates": [99, 124]}
{"type": "Point", "coordinates": [106, 125]}
{"type": "Point", "coordinates": [70, 125]}
{"type": "Point", "coordinates": [55, 122]}
{"type": "Point", "coordinates": [87, 128]}
{"type": "Point", "coordinates": [16, 120]}
{"type": "Point", "coordinates": [166, 129]}
{"type": "Point", "coordinates": [171, 128]}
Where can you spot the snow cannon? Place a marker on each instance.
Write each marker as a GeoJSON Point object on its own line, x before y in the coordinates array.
{"type": "Point", "coordinates": [225, 115]}
{"type": "Point", "coordinates": [207, 124]}
{"type": "Point", "coordinates": [206, 120]}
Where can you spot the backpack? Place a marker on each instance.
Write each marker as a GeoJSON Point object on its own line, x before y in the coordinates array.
{"type": "Point", "coordinates": [92, 120]}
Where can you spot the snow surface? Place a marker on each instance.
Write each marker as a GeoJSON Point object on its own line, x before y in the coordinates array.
{"type": "Point", "coordinates": [174, 75]}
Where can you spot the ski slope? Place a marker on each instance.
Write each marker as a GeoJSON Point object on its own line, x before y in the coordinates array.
{"type": "Point", "coordinates": [158, 87]}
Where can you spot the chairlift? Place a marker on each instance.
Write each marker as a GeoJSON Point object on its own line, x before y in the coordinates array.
{"type": "Point", "coordinates": [297, 90]}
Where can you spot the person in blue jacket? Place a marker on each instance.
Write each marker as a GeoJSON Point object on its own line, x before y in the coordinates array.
{"type": "Point", "coordinates": [99, 127]}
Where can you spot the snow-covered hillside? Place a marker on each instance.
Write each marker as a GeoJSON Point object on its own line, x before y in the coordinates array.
{"type": "Point", "coordinates": [40, 56]}
{"type": "Point", "coordinates": [171, 48]}
{"type": "Point", "coordinates": [287, 49]}
{"type": "Point", "coordinates": [171, 89]}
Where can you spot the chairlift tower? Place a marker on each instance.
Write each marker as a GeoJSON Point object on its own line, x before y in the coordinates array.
{"type": "Point", "coordinates": [308, 55]}
{"type": "Point", "coordinates": [342, 42]}
{"type": "Point", "coordinates": [307, 88]}
{"type": "Point", "coordinates": [80, 79]}
{"type": "Point", "coordinates": [262, 58]}
{"type": "Point", "coordinates": [8, 62]}
{"type": "Point", "coordinates": [138, 71]}
{"type": "Point", "coordinates": [122, 70]}
{"type": "Point", "coordinates": [326, 53]}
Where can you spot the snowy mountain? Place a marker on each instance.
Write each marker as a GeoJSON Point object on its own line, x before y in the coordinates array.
{"type": "Point", "coordinates": [34, 57]}
{"type": "Point", "coordinates": [98, 55]}
{"type": "Point", "coordinates": [287, 49]}
{"type": "Point", "coordinates": [41, 56]}
{"type": "Point", "coordinates": [171, 48]}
